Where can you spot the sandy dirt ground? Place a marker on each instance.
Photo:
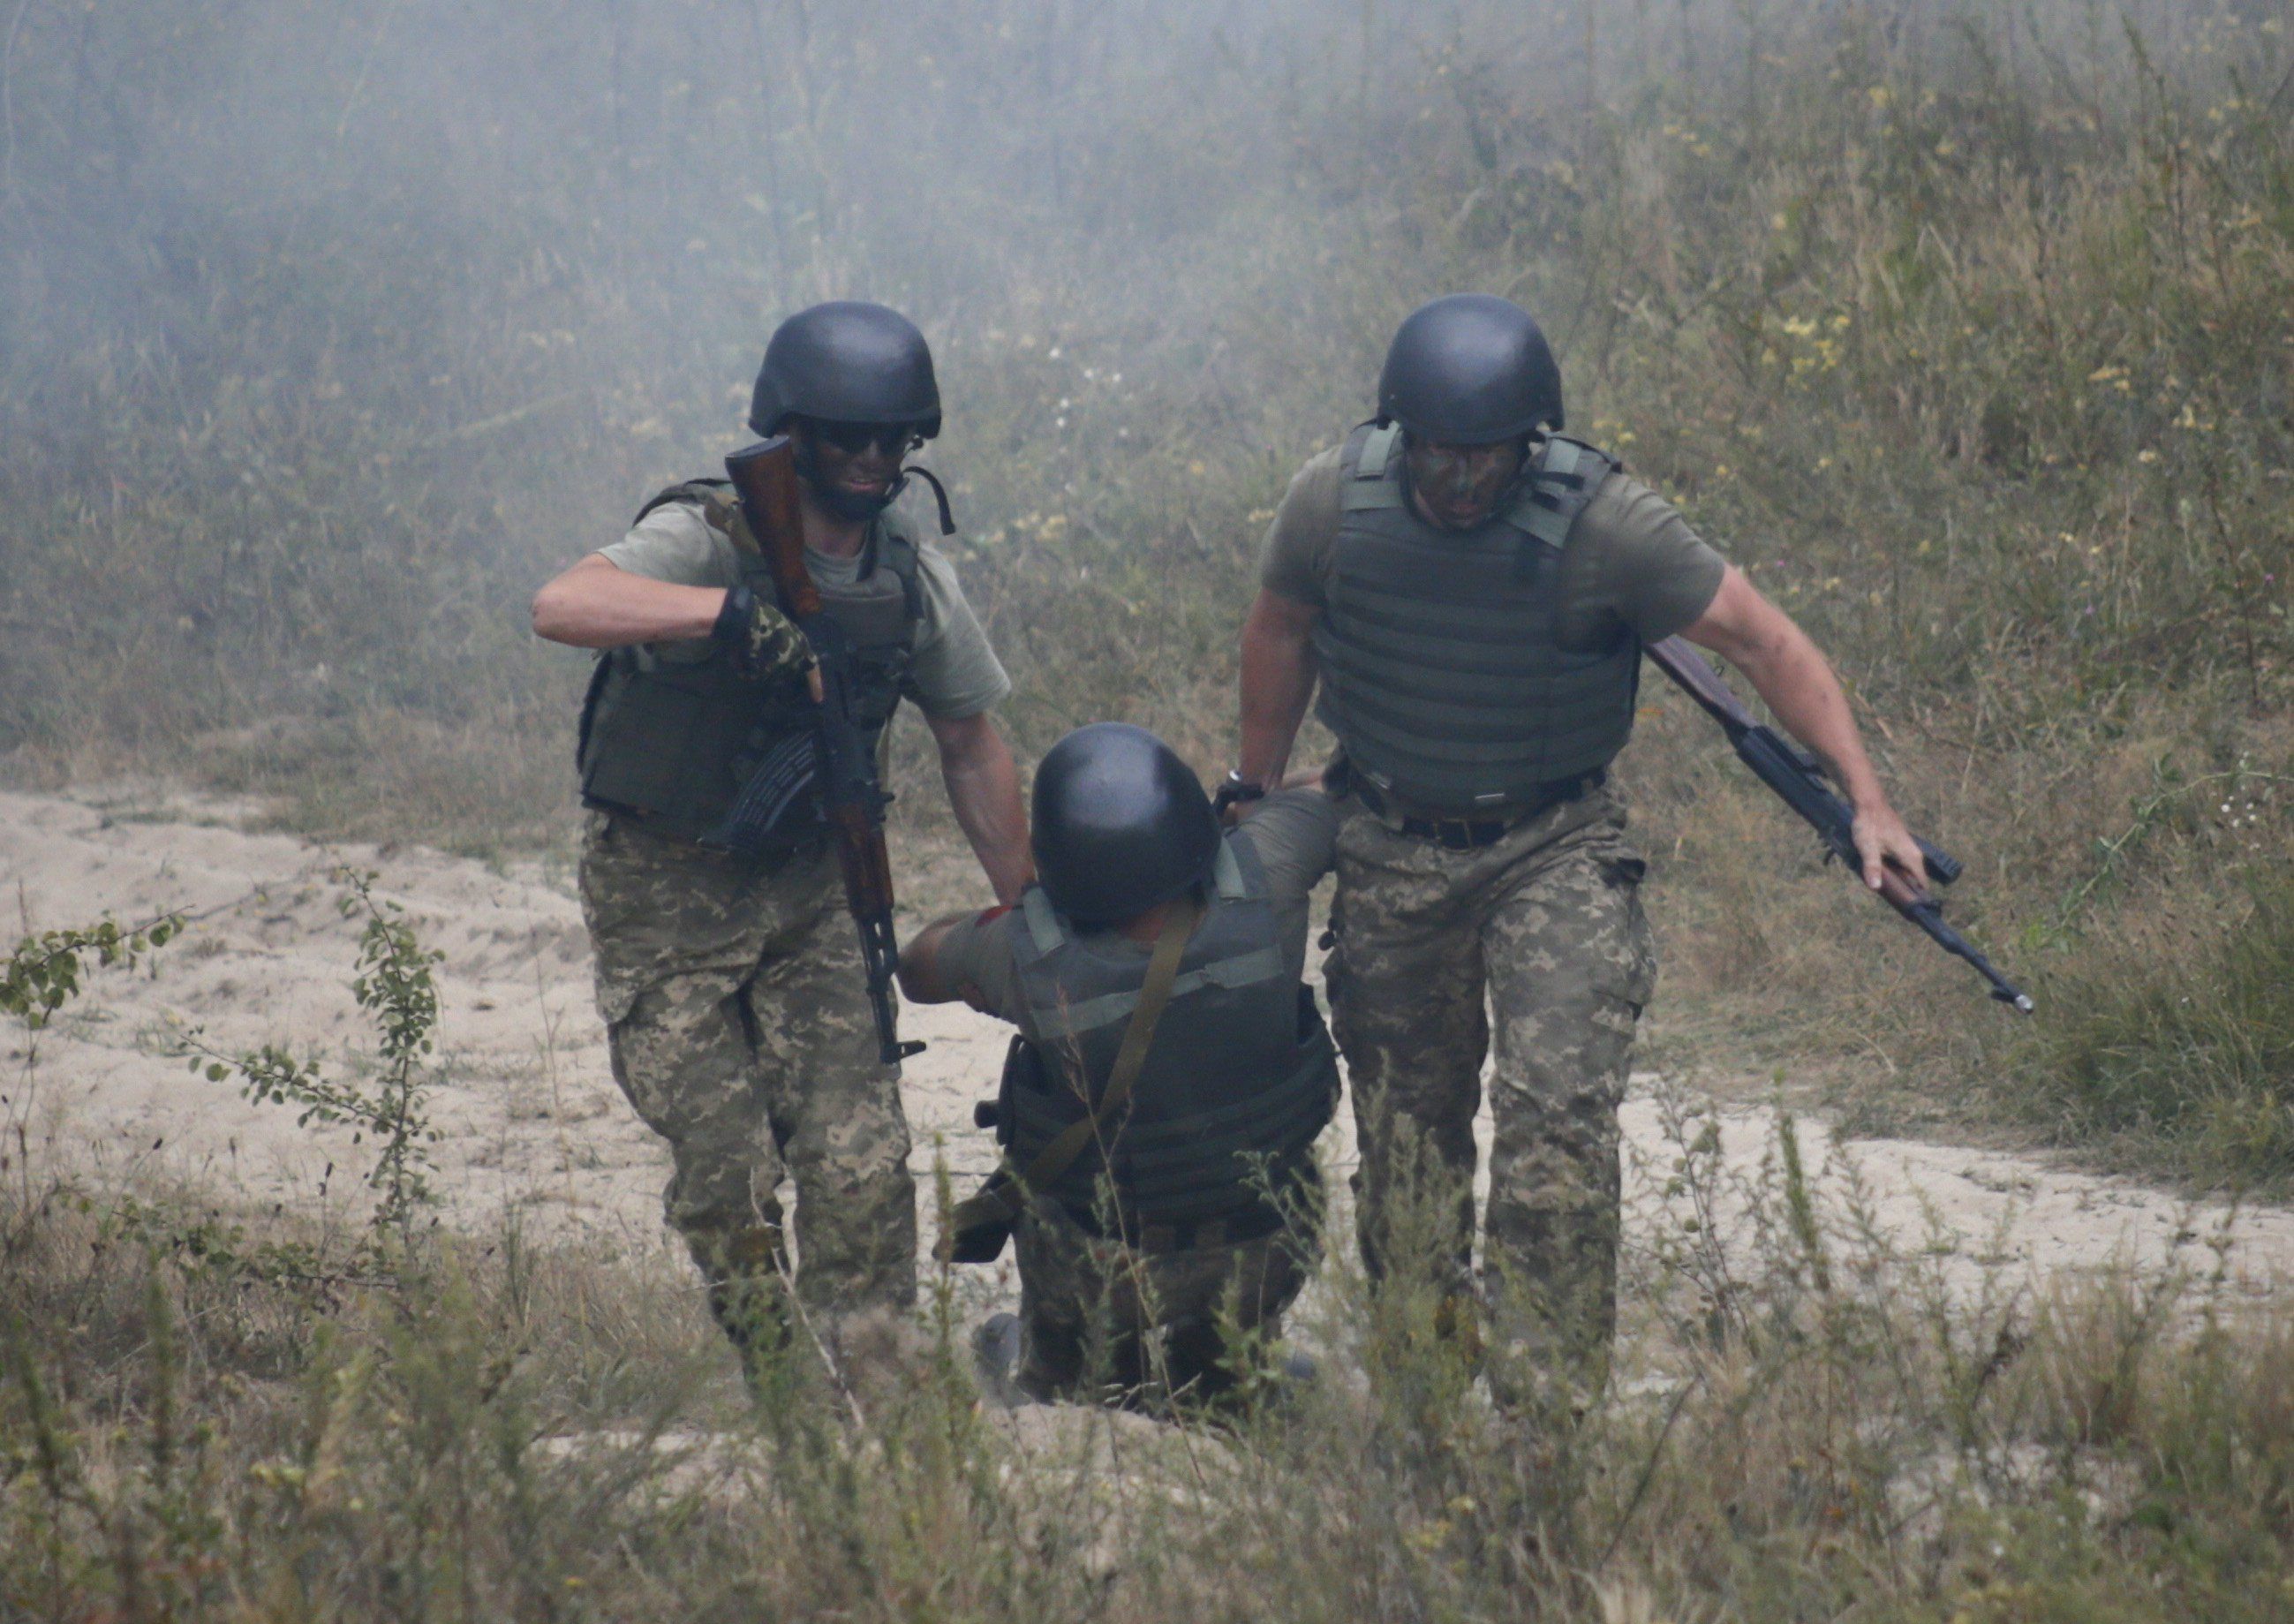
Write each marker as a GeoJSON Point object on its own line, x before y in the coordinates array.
{"type": "Point", "coordinates": [533, 1123]}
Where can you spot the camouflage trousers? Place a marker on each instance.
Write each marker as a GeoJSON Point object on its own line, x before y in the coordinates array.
{"type": "Point", "coordinates": [1100, 1320]}
{"type": "Point", "coordinates": [739, 1027]}
{"type": "Point", "coordinates": [1539, 942]}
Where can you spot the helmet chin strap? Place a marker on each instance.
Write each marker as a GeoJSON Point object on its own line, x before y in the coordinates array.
{"type": "Point", "coordinates": [939, 495]}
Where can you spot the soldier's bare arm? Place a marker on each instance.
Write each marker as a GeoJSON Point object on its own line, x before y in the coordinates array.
{"type": "Point", "coordinates": [983, 790]}
{"type": "Point", "coordinates": [597, 604]}
{"type": "Point", "coordinates": [965, 956]}
{"type": "Point", "coordinates": [920, 980]}
{"type": "Point", "coordinates": [1278, 680]}
{"type": "Point", "coordinates": [1789, 671]}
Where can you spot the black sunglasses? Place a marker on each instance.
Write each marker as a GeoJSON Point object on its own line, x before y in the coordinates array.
{"type": "Point", "coordinates": [892, 439]}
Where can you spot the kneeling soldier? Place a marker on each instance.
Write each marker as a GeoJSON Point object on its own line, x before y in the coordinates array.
{"type": "Point", "coordinates": [1161, 1103]}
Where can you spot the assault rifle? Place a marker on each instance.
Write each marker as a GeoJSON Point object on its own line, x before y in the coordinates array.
{"type": "Point", "coordinates": [1796, 777]}
{"type": "Point", "coordinates": [833, 760]}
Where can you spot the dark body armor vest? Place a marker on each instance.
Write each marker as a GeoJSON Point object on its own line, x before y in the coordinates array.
{"type": "Point", "coordinates": [671, 731]}
{"type": "Point", "coordinates": [1445, 671]}
{"type": "Point", "coordinates": [1240, 1078]}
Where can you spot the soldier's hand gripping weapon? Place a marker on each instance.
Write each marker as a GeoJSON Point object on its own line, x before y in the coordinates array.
{"type": "Point", "coordinates": [1798, 780]}
{"type": "Point", "coordinates": [834, 759]}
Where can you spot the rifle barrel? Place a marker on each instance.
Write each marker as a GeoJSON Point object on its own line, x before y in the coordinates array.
{"type": "Point", "coordinates": [1929, 918]}
{"type": "Point", "coordinates": [1797, 780]}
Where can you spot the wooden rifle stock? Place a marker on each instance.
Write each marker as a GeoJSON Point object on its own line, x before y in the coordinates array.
{"type": "Point", "coordinates": [851, 800]}
{"type": "Point", "coordinates": [764, 477]}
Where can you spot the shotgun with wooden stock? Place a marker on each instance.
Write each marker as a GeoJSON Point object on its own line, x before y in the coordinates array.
{"type": "Point", "coordinates": [834, 761]}
{"type": "Point", "coordinates": [1799, 781]}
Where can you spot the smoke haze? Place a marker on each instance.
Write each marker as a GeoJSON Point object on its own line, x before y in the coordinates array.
{"type": "Point", "coordinates": [330, 329]}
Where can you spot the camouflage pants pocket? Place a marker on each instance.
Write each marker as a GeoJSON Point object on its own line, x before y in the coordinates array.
{"type": "Point", "coordinates": [681, 1054]}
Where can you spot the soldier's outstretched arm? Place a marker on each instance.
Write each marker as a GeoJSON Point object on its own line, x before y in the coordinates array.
{"type": "Point", "coordinates": [921, 981]}
{"type": "Point", "coordinates": [597, 604]}
{"type": "Point", "coordinates": [983, 790]}
{"type": "Point", "coordinates": [959, 957]}
{"type": "Point", "coordinates": [1790, 672]}
{"type": "Point", "coordinates": [1278, 680]}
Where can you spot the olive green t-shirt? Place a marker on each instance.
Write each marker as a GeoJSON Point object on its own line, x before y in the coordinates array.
{"type": "Point", "coordinates": [1294, 833]}
{"type": "Point", "coordinates": [956, 672]}
{"type": "Point", "coordinates": [1630, 559]}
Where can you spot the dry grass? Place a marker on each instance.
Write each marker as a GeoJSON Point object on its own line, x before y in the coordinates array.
{"type": "Point", "coordinates": [1806, 1424]}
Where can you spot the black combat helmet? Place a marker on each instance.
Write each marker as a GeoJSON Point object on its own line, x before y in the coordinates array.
{"type": "Point", "coordinates": [1121, 823]}
{"type": "Point", "coordinates": [1469, 370]}
{"type": "Point", "coordinates": [847, 361]}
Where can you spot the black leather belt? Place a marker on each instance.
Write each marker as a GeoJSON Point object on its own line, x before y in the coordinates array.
{"type": "Point", "coordinates": [1471, 834]}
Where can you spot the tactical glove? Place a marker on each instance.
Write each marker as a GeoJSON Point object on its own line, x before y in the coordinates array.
{"type": "Point", "coordinates": [764, 641]}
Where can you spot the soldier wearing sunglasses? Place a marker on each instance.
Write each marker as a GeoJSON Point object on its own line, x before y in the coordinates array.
{"type": "Point", "coordinates": [732, 986]}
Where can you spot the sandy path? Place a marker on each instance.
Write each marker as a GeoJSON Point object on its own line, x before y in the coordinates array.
{"type": "Point", "coordinates": [534, 1125]}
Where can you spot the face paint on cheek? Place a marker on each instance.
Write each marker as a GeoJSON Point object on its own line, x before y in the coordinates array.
{"type": "Point", "coordinates": [845, 470]}
{"type": "Point", "coordinates": [1460, 483]}
{"type": "Point", "coordinates": [852, 484]}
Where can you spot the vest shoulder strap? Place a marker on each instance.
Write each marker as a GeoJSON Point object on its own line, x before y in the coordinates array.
{"type": "Point", "coordinates": [1042, 920]}
{"type": "Point", "coordinates": [713, 497]}
{"type": "Point", "coordinates": [719, 509]}
{"type": "Point", "coordinates": [1567, 475]}
{"type": "Point", "coordinates": [1365, 466]}
{"type": "Point", "coordinates": [896, 552]}
{"type": "Point", "coordinates": [1236, 872]}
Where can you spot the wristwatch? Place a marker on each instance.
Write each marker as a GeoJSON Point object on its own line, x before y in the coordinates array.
{"type": "Point", "coordinates": [1235, 790]}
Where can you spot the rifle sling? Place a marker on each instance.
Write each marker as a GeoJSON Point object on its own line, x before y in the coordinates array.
{"type": "Point", "coordinates": [1056, 1158]}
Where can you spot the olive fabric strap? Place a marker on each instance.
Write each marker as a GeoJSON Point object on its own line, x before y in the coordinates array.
{"type": "Point", "coordinates": [1006, 1191]}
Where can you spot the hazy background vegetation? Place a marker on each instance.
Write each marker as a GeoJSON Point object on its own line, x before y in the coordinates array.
{"type": "Point", "coordinates": [328, 331]}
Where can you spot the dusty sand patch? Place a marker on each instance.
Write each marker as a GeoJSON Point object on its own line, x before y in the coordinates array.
{"type": "Point", "coordinates": [534, 1125]}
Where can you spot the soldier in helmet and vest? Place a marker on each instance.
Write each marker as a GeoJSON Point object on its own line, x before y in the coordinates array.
{"type": "Point", "coordinates": [1471, 590]}
{"type": "Point", "coordinates": [732, 986]}
{"type": "Point", "coordinates": [1170, 1075]}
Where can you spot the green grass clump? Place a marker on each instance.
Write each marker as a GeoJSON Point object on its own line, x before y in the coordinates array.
{"type": "Point", "coordinates": [2187, 1050]}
